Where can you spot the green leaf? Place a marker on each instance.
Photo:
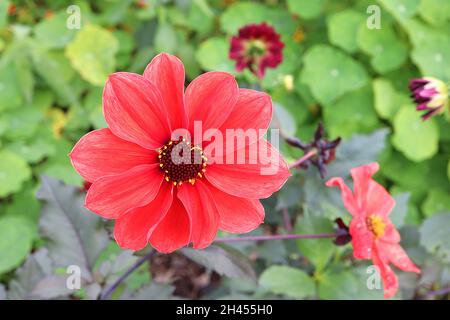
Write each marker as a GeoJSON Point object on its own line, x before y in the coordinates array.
{"type": "Point", "coordinates": [448, 169]}
{"type": "Point", "coordinates": [15, 242]}
{"type": "Point", "coordinates": [434, 235]}
{"type": "Point", "coordinates": [346, 285]}
{"type": "Point", "coordinates": [92, 53]}
{"type": "Point", "coordinates": [438, 200]}
{"type": "Point", "coordinates": [287, 281]}
{"type": "Point", "coordinates": [355, 152]}
{"type": "Point", "coordinates": [306, 9]}
{"type": "Point", "coordinates": [53, 32]}
{"type": "Point", "coordinates": [10, 90]}
{"type": "Point", "coordinates": [241, 14]}
{"type": "Point", "coordinates": [431, 58]}
{"type": "Point", "coordinates": [352, 113]}
{"type": "Point", "coordinates": [72, 231]}
{"type": "Point", "coordinates": [14, 171]}
{"type": "Point", "coordinates": [431, 49]}
{"type": "Point", "coordinates": [166, 38]}
{"type": "Point", "coordinates": [387, 51]}
{"type": "Point", "coordinates": [56, 71]}
{"type": "Point", "coordinates": [23, 122]}
{"type": "Point", "coordinates": [224, 260]}
{"type": "Point", "coordinates": [435, 12]}
{"type": "Point", "coordinates": [284, 119]}
{"type": "Point", "coordinates": [330, 73]}
{"type": "Point", "coordinates": [318, 251]}
{"type": "Point", "coordinates": [212, 54]}
{"type": "Point", "coordinates": [401, 9]}
{"type": "Point", "coordinates": [4, 5]}
{"type": "Point", "coordinates": [387, 99]}
{"type": "Point", "coordinates": [416, 139]}
{"type": "Point", "coordinates": [343, 29]}
{"type": "Point", "coordinates": [201, 16]}
{"type": "Point", "coordinates": [400, 210]}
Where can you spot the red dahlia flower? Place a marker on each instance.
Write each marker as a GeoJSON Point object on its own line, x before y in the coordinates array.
{"type": "Point", "coordinates": [373, 234]}
{"type": "Point", "coordinates": [257, 46]}
{"type": "Point", "coordinates": [156, 198]}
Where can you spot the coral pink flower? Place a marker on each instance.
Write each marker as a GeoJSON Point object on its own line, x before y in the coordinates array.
{"type": "Point", "coordinates": [257, 46]}
{"type": "Point", "coordinates": [159, 200]}
{"type": "Point", "coordinates": [373, 234]}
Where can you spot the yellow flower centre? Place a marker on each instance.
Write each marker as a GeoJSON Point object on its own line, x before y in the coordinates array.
{"type": "Point", "coordinates": [376, 225]}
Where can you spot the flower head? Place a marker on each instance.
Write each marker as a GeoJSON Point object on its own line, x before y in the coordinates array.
{"type": "Point", "coordinates": [430, 95]}
{"type": "Point", "coordinates": [323, 150]}
{"type": "Point", "coordinates": [164, 189]}
{"type": "Point", "coordinates": [373, 234]}
{"type": "Point", "coordinates": [257, 47]}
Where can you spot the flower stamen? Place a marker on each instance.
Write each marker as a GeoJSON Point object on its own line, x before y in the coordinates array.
{"type": "Point", "coordinates": [376, 225]}
{"type": "Point", "coordinates": [181, 161]}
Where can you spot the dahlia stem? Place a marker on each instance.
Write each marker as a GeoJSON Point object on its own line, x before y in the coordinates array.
{"type": "Point", "coordinates": [130, 270]}
{"type": "Point", "coordinates": [299, 161]}
{"type": "Point", "coordinates": [440, 292]}
{"type": "Point", "coordinates": [278, 237]}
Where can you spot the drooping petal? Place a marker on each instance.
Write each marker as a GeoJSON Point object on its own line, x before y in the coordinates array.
{"type": "Point", "coordinates": [100, 153]}
{"type": "Point", "coordinates": [361, 177]}
{"type": "Point", "coordinates": [200, 206]}
{"type": "Point", "coordinates": [112, 196]}
{"type": "Point", "coordinates": [237, 215]}
{"type": "Point", "coordinates": [362, 238]}
{"type": "Point", "coordinates": [391, 234]}
{"type": "Point", "coordinates": [250, 117]}
{"type": "Point", "coordinates": [174, 230]}
{"type": "Point", "coordinates": [379, 201]}
{"type": "Point", "coordinates": [395, 254]}
{"type": "Point", "coordinates": [210, 98]}
{"type": "Point", "coordinates": [390, 281]}
{"type": "Point", "coordinates": [347, 195]}
{"type": "Point", "coordinates": [166, 72]}
{"type": "Point", "coordinates": [258, 171]}
{"type": "Point", "coordinates": [132, 229]}
{"type": "Point", "coordinates": [135, 111]}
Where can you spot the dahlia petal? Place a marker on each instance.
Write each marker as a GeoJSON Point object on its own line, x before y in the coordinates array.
{"type": "Point", "coordinates": [112, 196]}
{"type": "Point", "coordinates": [200, 206]}
{"type": "Point", "coordinates": [391, 234]}
{"type": "Point", "coordinates": [210, 98]}
{"type": "Point", "coordinates": [253, 112]}
{"type": "Point", "coordinates": [362, 239]}
{"type": "Point", "coordinates": [347, 195]}
{"type": "Point", "coordinates": [361, 177]}
{"type": "Point", "coordinates": [390, 281]}
{"type": "Point", "coordinates": [378, 200]}
{"type": "Point", "coordinates": [135, 111]}
{"type": "Point", "coordinates": [237, 215]}
{"type": "Point", "coordinates": [100, 153]}
{"type": "Point", "coordinates": [132, 229]}
{"type": "Point", "coordinates": [166, 73]}
{"type": "Point", "coordinates": [258, 172]}
{"type": "Point", "coordinates": [395, 254]}
{"type": "Point", "coordinates": [174, 230]}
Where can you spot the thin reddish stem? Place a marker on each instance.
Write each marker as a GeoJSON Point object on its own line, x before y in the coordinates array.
{"type": "Point", "coordinates": [278, 237]}
{"type": "Point", "coordinates": [299, 162]}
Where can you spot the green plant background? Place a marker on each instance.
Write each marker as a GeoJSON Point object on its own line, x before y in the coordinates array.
{"type": "Point", "coordinates": [351, 78]}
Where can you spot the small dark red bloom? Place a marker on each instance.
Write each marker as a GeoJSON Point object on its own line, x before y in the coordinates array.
{"type": "Point", "coordinates": [430, 95]}
{"type": "Point", "coordinates": [257, 47]}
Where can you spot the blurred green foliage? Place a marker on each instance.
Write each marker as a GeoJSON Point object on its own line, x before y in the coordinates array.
{"type": "Point", "coordinates": [352, 78]}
